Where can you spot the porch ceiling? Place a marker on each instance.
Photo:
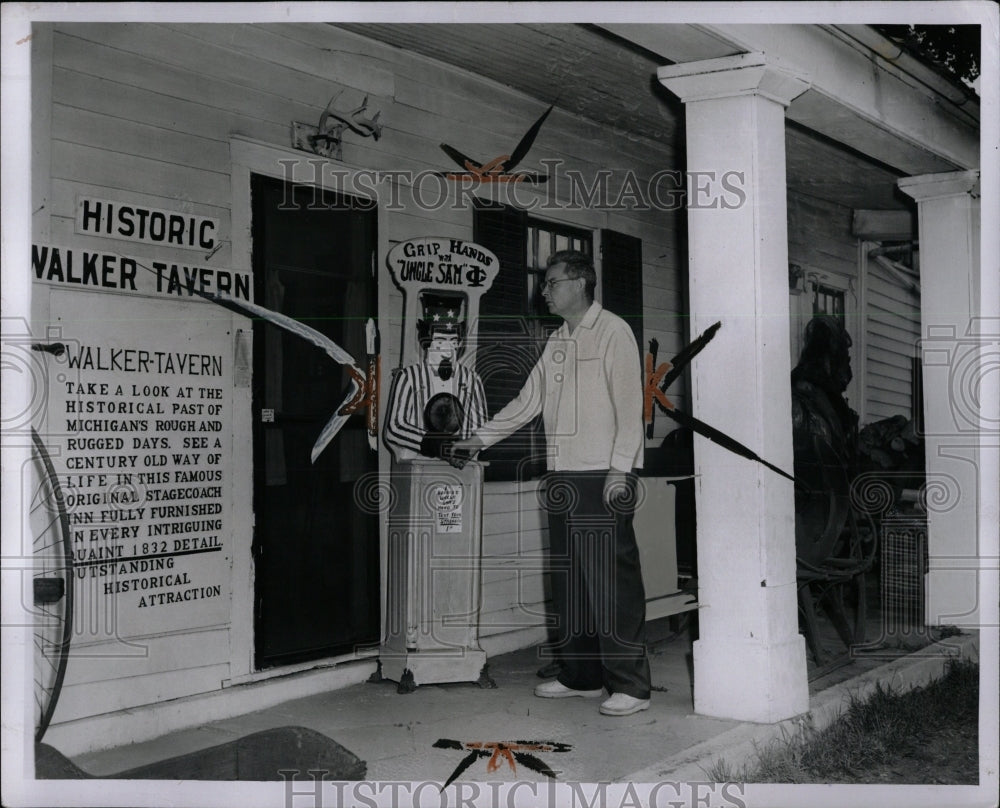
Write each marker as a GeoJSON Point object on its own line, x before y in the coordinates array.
{"type": "Point", "coordinates": [586, 71]}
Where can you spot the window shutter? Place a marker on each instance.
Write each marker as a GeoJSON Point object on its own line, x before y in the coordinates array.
{"type": "Point", "coordinates": [506, 351]}
{"type": "Point", "coordinates": [621, 282]}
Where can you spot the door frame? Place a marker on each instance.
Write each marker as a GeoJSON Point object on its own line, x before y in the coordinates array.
{"type": "Point", "coordinates": [248, 157]}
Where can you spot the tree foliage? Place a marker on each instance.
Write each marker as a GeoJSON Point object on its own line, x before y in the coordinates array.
{"type": "Point", "coordinates": [952, 49]}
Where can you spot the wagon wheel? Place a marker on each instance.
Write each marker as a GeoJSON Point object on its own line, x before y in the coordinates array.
{"type": "Point", "coordinates": [849, 595]}
{"type": "Point", "coordinates": [52, 584]}
{"type": "Point", "coordinates": [839, 587]}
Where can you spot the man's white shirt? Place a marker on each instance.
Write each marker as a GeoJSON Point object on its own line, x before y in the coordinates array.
{"type": "Point", "coordinates": [588, 387]}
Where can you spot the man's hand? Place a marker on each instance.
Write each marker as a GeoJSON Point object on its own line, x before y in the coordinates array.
{"type": "Point", "coordinates": [448, 454]}
{"type": "Point", "coordinates": [467, 448]}
{"type": "Point", "coordinates": [615, 488]}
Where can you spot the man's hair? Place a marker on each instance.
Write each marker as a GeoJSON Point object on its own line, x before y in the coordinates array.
{"type": "Point", "coordinates": [578, 265]}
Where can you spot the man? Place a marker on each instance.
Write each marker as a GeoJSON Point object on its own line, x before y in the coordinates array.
{"type": "Point", "coordinates": [588, 386]}
{"type": "Point", "coordinates": [437, 401]}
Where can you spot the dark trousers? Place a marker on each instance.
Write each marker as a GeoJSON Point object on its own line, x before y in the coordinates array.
{"type": "Point", "coordinates": [598, 596]}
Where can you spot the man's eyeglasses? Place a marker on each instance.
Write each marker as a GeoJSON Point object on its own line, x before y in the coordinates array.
{"type": "Point", "coordinates": [546, 284]}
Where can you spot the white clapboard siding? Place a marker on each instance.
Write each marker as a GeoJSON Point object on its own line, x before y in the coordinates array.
{"type": "Point", "coordinates": [180, 87]}
{"type": "Point", "coordinates": [892, 340]}
{"type": "Point", "coordinates": [521, 600]}
{"type": "Point", "coordinates": [158, 108]}
{"type": "Point", "coordinates": [498, 571]}
{"type": "Point", "coordinates": [515, 540]}
{"type": "Point", "coordinates": [191, 47]}
{"type": "Point", "coordinates": [889, 342]}
{"type": "Point", "coordinates": [75, 125]}
{"type": "Point", "coordinates": [415, 222]}
{"type": "Point", "coordinates": [665, 301]}
{"type": "Point", "coordinates": [124, 172]}
{"type": "Point", "coordinates": [661, 228]}
{"type": "Point", "coordinates": [138, 656]}
{"type": "Point", "coordinates": [94, 698]}
{"type": "Point", "coordinates": [670, 341]}
{"type": "Point", "coordinates": [501, 523]}
{"type": "Point", "coordinates": [885, 403]}
{"type": "Point", "coordinates": [526, 543]}
{"type": "Point", "coordinates": [512, 608]}
{"type": "Point", "coordinates": [269, 45]}
{"type": "Point", "coordinates": [899, 371]}
{"type": "Point", "coordinates": [513, 618]}
{"type": "Point", "coordinates": [407, 227]}
{"type": "Point", "coordinates": [888, 384]}
{"type": "Point", "coordinates": [670, 328]}
{"type": "Point", "coordinates": [661, 266]}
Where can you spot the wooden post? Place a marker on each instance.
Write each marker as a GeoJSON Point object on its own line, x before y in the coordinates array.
{"type": "Point", "coordinates": [749, 663]}
{"type": "Point", "coordinates": [954, 353]}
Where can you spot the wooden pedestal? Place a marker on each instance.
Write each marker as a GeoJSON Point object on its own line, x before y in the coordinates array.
{"type": "Point", "coordinates": [435, 542]}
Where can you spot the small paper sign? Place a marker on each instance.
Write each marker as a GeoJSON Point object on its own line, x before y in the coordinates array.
{"type": "Point", "coordinates": [448, 507]}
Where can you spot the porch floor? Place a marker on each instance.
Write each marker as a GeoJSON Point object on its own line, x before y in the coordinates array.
{"type": "Point", "coordinates": [396, 733]}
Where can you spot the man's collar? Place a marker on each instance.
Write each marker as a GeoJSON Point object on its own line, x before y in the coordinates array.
{"type": "Point", "coordinates": [588, 321]}
{"type": "Point", "coordinates": [591, 315]}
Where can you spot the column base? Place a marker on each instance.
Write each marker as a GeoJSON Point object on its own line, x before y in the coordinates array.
{"type": "Point", "coordinates": [751, 681]}
{"type": "Point", "coordinates": [432, 667]}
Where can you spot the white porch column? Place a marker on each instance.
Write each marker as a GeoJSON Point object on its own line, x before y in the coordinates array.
{"type": "Point", "coordinates": [952, 347]}
{"type": "Point", "coordinates": [749, 663]}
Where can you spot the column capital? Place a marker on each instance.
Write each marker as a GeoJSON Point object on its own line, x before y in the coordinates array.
{"type": "Point", "coordinates": [730, 76]}
{"type": "Point", "coordinates": [938, 186]}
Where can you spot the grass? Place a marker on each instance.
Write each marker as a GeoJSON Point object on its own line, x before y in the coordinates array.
{"type": "Point", "coordinates": [923, 735]}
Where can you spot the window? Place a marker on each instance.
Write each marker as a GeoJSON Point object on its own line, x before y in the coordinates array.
{"type": "Point", "coordinates": [543, 240]}
{"type": "Point", "coordinates": [514, 321]}
{"type": "Point", "coordinates": [829, 301]}
{"type": "Point", "coordinates": [546, 238]}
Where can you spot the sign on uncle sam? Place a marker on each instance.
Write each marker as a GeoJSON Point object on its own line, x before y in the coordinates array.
{"type": "Point", "coordinates": [443, 264]}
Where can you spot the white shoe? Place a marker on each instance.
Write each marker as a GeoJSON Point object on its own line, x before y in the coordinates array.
{"type": "Point", "coordinates": [624, 704]}
{"type": "Point", "coordinates": [557, 690]}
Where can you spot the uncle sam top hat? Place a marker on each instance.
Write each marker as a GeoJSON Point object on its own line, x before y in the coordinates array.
{"type": "Point", "coordinates": [442, 314]}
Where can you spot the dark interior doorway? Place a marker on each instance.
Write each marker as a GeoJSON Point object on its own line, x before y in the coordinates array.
{"type": "Point", "coordinates": [316, 554]}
